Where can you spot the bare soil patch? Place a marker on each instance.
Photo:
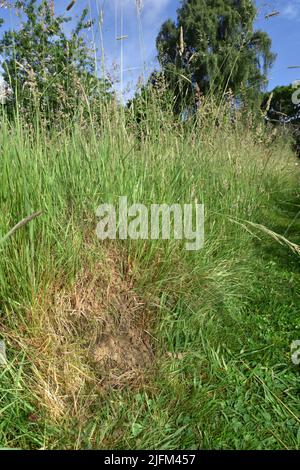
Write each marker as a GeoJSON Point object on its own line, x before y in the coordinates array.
{"type": "Point", "coordinates": [88, 338]}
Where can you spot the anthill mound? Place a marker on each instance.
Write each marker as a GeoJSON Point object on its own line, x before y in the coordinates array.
{"type": "Point", "coordinates": [93, 335]}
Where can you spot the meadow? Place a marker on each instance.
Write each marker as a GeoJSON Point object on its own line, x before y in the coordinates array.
{"type": "Point", "coordinates": [126, 344]}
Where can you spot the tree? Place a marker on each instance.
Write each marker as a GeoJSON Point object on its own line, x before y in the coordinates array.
{"type": "Point", "coordinates": [282, 107]}
{"type": "Point", "coordinates": [46, 69]}
{"type": "Point", "coordinates": [214, 47]}
{"type": "Point", "coordinates": [283, 104]}
{"type": "Point", "coordinates": [148, 99]}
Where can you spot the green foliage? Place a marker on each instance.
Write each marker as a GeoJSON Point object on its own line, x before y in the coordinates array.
{"type": "Point", "coordinates": [222, 319]}
{"type": "Point", "coordinates": [50, 72]}
{"type": "Point", "coordinates": [282, 107]}
{"type": "Point", "coordinates": [213, 44]}
{"type": "Point", "coordinates": [152, 96]}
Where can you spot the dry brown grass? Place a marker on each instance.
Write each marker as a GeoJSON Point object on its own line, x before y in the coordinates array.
{"type": "Point", "coordinates": [86, 339]}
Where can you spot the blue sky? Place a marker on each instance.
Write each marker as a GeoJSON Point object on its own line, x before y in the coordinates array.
{"type": "Point", "coordinates": [137, 51]}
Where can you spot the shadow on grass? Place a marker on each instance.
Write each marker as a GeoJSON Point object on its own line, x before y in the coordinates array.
{"type": "Point", "coordinates": [285, 220]}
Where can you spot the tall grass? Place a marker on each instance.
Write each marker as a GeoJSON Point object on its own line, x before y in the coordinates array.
{"type": "Point", "coordinates": [220, 320]}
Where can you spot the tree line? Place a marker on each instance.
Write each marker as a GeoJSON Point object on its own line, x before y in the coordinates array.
{"type": "Point", "coordinates": [211, 49]}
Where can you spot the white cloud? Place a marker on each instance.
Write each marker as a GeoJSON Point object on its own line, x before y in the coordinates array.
{"type": "Point", "coordinates": [291, 11]}
{"type": "Point", "coordinates": [153, 9]}
{"type": "Point", "coordinates": [139, 44]}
